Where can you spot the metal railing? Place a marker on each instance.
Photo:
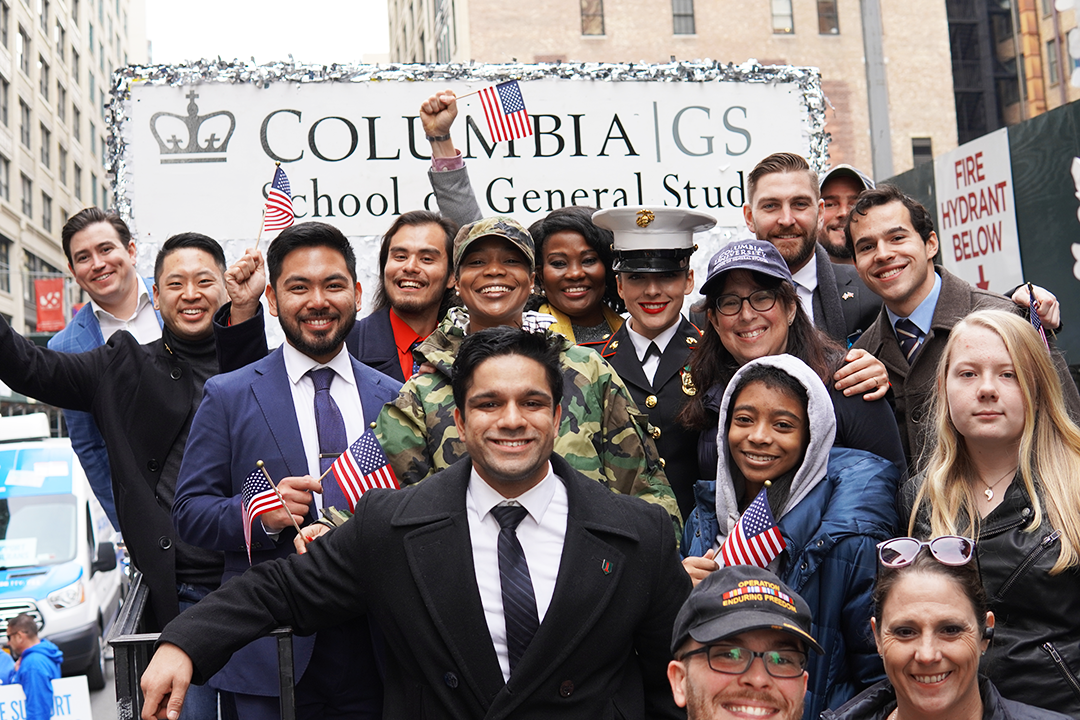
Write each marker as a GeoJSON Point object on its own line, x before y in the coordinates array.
{"type": "Point", "coordinates": [132, 650]}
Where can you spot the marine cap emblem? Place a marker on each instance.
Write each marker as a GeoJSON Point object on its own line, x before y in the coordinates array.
{"type": "Point", "coordinates": [645, 218]}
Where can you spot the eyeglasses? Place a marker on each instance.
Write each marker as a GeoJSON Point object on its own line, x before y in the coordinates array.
{"type": "Point", "coordinates": [760, 300]}
{"type": "Point", "coordinates": [947, 550]}
{"type": "Point", "coordinates": [736, 660]}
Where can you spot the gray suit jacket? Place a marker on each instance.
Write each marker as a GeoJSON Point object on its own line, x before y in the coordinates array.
{"type": "Point", "coordinates": [843, 306]}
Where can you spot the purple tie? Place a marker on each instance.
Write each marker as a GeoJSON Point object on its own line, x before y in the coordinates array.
{"type": "Point", "coordinates": [332, 439]}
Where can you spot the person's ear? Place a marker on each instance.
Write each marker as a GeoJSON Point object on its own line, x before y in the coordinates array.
{"type": "Point", "coordinates": [271, 300]}
{"type": "Point", "coordinates": [676, 675]}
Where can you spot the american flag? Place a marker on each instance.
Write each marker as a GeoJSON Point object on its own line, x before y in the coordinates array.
{"type": "Point", "coordinates": [257, 498]}
{"type": "Point", "coordinates": [279, 212]}
{"type": "Point", "coordinates": [755, 540]}
{"type": "Point", "coordinates": [362, 467]}
{"type": "Point", "coordinates": [1036, 321]}
{"type": "Point", "coordinates": [504, 110]}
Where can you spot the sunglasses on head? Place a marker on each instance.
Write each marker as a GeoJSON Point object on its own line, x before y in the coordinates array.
{"type": "Point", "coordinates": [947, 550]}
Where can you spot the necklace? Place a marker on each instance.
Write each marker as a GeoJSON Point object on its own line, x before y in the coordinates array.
{"type": "Point", "coordinates": [989, 491]}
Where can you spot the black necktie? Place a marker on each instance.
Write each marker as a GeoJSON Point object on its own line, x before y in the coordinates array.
{"type": "Point", "coordinates": [332, 439]}
{"type": "Point", "coordinates": [519, 602]}
{"type": "Point", "coordinates": [910, 338]}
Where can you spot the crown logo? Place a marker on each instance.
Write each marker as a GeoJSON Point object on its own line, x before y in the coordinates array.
{"type": "Point", "coordinates": [194, 137]}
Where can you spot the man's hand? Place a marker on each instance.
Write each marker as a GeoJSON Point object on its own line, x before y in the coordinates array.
{"type": "Point", "coordinates": [437, 115]}
{"type": "Point", "coordinates": [862, 373]}
{"type": "Point", "coordinates": [165, 682]}
{"type": "Point", "coordinates": [307, 534]}
{"type": "Point", "coordinates": [1046, 302]}
{"type": "Point", "coordinates": [296, 492]}
{"type": "Point", "coordinates": [245, 282]}
{"type": "Point", "coordinates": [698, 568]}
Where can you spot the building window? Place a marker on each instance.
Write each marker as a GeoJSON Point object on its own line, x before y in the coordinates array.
{"type": "Point", "coordinates": [43, 77]}
{"type": "Point", "coordinates": [93, 85]}
{"type": "Point", "coordinates": [104, 198]}
{"type": "Point", "coordinates": [27, 195]}
{"type": "Point", "coordinates": [61, 153]}
{"type": "Point", "coordinates": [46, 142]}
{"type": "Point", "coordinates": [60, 40]}
{"type": "Point", "coordinates": [22, 51]}
{"type": "Point", "coordinates": [24, 123]}
{"type": "Point", "coordinates": [76, 180]}
{"type": "Point", "coordinates": [5, 178]}
{"type": "Point", "coordinates": [1053, 67]}
{"type": "Point", "coordinates": [43, 13]}
{"type": "Point", "coordinates": [46, 212]}
{"type": "Point", "coordinates": [682, 13]}
{"type": "Point", "coordinates": [5, 264]}
{"type": "Point", "coordinates": [91, 31]}
{"type": "Point", "coordinates": [93, 141]}
{"type": "Point", "coordinates": [828, 19]}
{"type": "Point", "coordinates": [93, 187]}
{"type": "Point", "coordinates": [1048, 7]}
{"type": "Point", "coordinates": [101, 103]}
{"type": "Point", "coordinates": [36, 268]}
{"type": "Point", "coordinates": [5, 18]}
{"type": "Point", "coordinates": [101, 58]}
{"type": "Point", "coordinates": [61, 102]}
{"type": "Point", "coordinates": [783, 20]}
{"type": "Point", "coordinates": [922, 150]}
{"type": "Point", "coordinates": [75, 11]}
{"type": "Point", "coordinates": [592, 17]}
{"type": "Point", "coordinates": [5, 87]}
{"type": "Point", "coordinates": [75, 64]}
{"type": "Point", "coordinates": [76, 122]}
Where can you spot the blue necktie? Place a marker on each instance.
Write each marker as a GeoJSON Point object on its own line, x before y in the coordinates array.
{"type": "Point", "coordinates": [332, 439]}
{"type": "Point", "coordinates": [910, 337]}
{"type": "Point", "coordinates": [519, 602]}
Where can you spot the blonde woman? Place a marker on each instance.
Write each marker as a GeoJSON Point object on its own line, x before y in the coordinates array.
{"type": "Point", "coordinates": [1005, 470]}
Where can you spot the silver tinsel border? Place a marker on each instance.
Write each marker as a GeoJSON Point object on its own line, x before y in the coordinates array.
{"type": "Point", "coordinates": [206, 71]}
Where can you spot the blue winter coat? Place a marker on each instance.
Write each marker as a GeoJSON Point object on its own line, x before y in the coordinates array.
{"type": "Point", "coordinates": [831, 561]}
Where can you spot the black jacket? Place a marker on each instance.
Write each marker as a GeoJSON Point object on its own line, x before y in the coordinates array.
{"type": "Point", "coordinates": [876, 702]}
{"type": "Point", "coordinates": [1035, 654]}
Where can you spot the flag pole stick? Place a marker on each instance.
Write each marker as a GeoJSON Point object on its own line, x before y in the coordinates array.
{"type": "Point", "coordinates": [462, 97]}
{"type": "Point", "coordinates": [259, 464]}
{"type": "Point", "coordinates": [262, 222]}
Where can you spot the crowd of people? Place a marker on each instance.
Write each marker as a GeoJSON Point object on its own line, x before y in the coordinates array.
{"type": "Point", "coordinates": [904, 446]}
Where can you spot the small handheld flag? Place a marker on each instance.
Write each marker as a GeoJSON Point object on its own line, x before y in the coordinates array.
{"type": "Point", "coordinates": [258, 497]}
{"type": "Point", "coordinates": [362, 467]}
{"type": "Point", "coordinates": [504, 110]}
{"type": "Point", "coordinates": [755, 540]}
{"type": "Point", "coordinates": [1036, 321]}
{"type": "Point", "coordinates": [279, 211]}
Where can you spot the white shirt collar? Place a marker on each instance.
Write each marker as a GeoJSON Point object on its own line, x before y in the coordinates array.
{"type": "Point", "coordinates": [807, 276]}
{"type": "Point", "coordinates": [535, 500]}
{"type": "Point", "coordinates": [297, 364]}
{"type": "Point", "coordinates": [143, 299]}
{"type": "Point", "coordinates": [641, 343]}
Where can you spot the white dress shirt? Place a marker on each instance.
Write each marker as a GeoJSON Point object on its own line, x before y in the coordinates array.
{"type": "Point", "coordinates": [641, 346]}
{"type": "Point", "coordinates": [805, 285]}
{"type": "Point", "coordinates": [344, 391]}
{"type": "Point", "coordinates": [541, 534]}
{"type": "Point", "coordinates": [143, 323]}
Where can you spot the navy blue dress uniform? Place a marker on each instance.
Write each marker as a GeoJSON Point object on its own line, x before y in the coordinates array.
{"type": "Point", "coordinates": [659, 240]}
{"type": "Point", "coordinates": [662, 400]}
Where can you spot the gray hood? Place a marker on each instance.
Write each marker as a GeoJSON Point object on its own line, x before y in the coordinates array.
{"type": "Point", "coordinates": [810, 473]}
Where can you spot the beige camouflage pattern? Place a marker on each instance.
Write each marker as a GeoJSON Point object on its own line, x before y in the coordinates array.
{"type": "Point", "coordinates": [602, 433]}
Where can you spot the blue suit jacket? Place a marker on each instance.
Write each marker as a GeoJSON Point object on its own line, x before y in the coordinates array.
{"type": "Point", "coordinates": [82, 334]}
{"type": "Point", "coordinates": [372, 343]}
{"type": "Point", "coordinates": [245, 416]}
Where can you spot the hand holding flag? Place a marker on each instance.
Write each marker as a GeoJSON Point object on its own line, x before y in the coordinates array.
{"type": "Point", "coordinates": [362, 467]}
{"type": "Point", "coordinates": [1033, 314]}
{"type": "Point", "coordinates": [258, 496]}
{"type": "Point", "coordinates": [756, 539]}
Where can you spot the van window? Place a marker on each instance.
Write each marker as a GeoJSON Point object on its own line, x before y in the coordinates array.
{"type": "Point", "coordinates": [37, 530]}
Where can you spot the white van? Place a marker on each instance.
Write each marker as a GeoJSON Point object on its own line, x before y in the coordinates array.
{"type": "Point", "coordinates": [58, 550]}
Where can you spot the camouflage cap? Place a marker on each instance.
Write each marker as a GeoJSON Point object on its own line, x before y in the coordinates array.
{"type": "Point", "coordinates": [497, 226]}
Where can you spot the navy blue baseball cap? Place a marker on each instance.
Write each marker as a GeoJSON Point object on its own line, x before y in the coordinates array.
{"type": "Point", "coordinates": [755, 255]}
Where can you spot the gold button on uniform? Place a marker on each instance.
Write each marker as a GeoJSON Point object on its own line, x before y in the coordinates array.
{"type": "Point", "coordinates": [655, 433]}
{"type": "Point", "coordinates": [650, 402]}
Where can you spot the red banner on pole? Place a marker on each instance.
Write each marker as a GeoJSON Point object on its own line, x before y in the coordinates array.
{"type": "Point", "coordinates": [50, 304]}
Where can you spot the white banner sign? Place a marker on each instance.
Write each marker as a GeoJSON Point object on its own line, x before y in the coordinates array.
{"type": "Point", "coordinates": [978, 235]}
{"type": "Point", "coordinates": [199, 155]}
{"type": "Point", "coordinates": [71, 700]}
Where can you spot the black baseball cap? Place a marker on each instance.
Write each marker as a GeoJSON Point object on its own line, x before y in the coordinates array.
{"type": "Point", "coordinates": [739, 599]}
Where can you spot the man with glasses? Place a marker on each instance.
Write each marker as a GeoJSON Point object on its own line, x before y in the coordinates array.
{"type": "Point", "coordinates": [652, 351]}
{"type": "Point", "coordinates": [733, 618]}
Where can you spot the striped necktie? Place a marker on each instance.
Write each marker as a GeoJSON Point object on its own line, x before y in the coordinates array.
{"type": "Point", "coordinates": [910, 337]}
{"type": "Point", "coordinates": [519, 601]}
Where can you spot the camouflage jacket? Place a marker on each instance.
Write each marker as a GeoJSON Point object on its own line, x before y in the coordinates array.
{"type": "Point", "coordinates": [602, 433]}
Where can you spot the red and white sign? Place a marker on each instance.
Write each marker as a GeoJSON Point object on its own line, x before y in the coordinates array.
{"type": "Point", "coordinates": [50, 304]}
{"type": "Point", "coordinates": [978, 235]}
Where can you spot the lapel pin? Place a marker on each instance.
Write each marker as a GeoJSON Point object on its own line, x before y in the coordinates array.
{"type": "Point", "coordinates": [848, 295]}
{"type": "Point", "coordinates": [606, 567]}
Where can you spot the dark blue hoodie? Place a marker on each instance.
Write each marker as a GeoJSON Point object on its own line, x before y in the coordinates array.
{"type": "Point", "coordinates": [39, 665]}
